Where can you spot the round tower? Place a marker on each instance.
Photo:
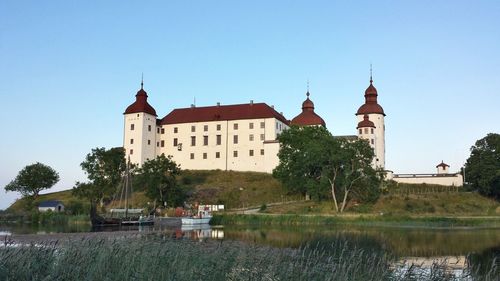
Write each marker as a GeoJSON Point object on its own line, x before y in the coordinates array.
{"type": "Point", "coordinates": [308, 117]}
{"type": "Point", "coordinates": [139, 137]}
{"type": "Point", "coordinates": [371, 113]}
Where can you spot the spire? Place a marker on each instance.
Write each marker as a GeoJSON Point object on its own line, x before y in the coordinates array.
{"type": "Point", "coordinates": [371, 78]}
{"type": "Point", "coordinates": [307, 88]}
{"type": "Point", "coordinates": [142, 81]}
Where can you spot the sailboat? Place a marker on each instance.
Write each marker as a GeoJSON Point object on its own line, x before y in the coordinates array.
{"type": "Point", "coordinates": [126, 215]}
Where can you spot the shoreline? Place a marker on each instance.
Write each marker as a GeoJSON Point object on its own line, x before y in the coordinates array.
{"type": "Point", "coordinates": [358, 219]}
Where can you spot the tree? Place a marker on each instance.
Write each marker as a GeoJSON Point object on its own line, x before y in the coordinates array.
{"type": "Point", "coordinates": [348, 166]}
{"type": "Point", "coordinates": [104, 169]}
{"type": "Point", "coordinates": [482, 169]}
{"type": "Point", "coordinates": [158, 176]}
{"type": "Point", "coordinates": [32, 179]}
{"type": "Point", "coordinates": [313, 161]}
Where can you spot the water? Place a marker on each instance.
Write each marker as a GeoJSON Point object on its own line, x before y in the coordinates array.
{"type": "Point", "coordinates": [452, 247]}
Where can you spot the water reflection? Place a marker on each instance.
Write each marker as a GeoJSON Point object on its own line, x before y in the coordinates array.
{"type": "Point", "coordinates": [401, 242]}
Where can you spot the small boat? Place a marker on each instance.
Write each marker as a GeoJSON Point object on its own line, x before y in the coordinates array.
{"type": "Point", "coordinates": [203, 217]}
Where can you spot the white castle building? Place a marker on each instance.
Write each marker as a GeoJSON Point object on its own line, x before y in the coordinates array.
{"type": "Point", "coordinates": [243, 137]}
{"type": "Point", "coordinates": [240, 137]}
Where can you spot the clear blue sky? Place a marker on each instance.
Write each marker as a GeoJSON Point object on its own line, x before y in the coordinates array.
{"type": "Point", "coordinates": [68, 70]}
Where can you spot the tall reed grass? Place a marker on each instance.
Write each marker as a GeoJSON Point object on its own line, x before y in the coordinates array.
{"type": "Point", "coordinates": [155, 257]}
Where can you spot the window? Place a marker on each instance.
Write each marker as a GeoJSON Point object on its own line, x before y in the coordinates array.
{"type": "Point", "coordinates": [219, 139]}
{"type": "Point", "coordinates": [149, 142]}
{"type": "Point", "coordinates": [179, 147]}
{"type": "Point", "coordinates": [137, 114]}
{"type": "Point", "coordinates": [217, 154]}
{"type": "Point", "coordinates": [218, 127]}
{"type": "Point", "coordinates": [131, 127]}
{"type": "Point", "coordinates": [250, 137]}
{"type": "Point", "coordinates": [372, 141]}
{"type": "Point", "coordinates": [131, 141]}
{"type": "Point", "coordinates": [176, 130]}
{"type": "Point", "coordinates": [149, 128]}
{"type": "Point", "coordinates": [235, 153]}
{"type": "Point", "coordinates": [191, 156]}
{"type": "Point", "coordinates": [162, 131]}
{"type": "Point", "coordinates": [250, 125]}
{"type": "Point", "coordinates": [262, 125]}
{"type": "Point", "coordinates": [131, 151]}
{"type": "Point", "coordinates": [250, 152]}
{"type": "Point", "coordinates": [366, 130]}
{"type": "Point", "coordinates": [262, 152]}
{"type": "Point", "coordinates": [262, 137]}
{"type": "Point", "coordinates": [193, 129]}
{"type": "Point", "coordinates": [157, 144]}
{"type": "Point", "coordinates": [205, 140]}
{"type": "Point", "coordinates": [176, 142]}
{"type": "Point", "coordinates": [360, 131]}
{"type": "Point", "coordinates": [235, 126]}
{"type": "Point", "coordinates": [193, 140]}
{"type": "Point", "coordinates": [205, 128]}
{"type": "Point", "coordinates": [235, 139]}
{"type": "Point", "coordinates": [276, 125]}
{"type": "Point", "coordinates": [372, 130]}
{"type": "Point", "coordinates": [204, 155]}
{"type": "Point", "coordinates": [157, 130]}
{"type": "Point", "coordinates": [162, 143]}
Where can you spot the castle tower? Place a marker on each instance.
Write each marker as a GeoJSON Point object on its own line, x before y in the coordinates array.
{"type": "Point", "coordinates": [366, 130]}
{"type": "Point", "coordinates": [139, 137]}
{"type": "Point", "coordinates": [442, 168]}
{"type": "Point", "coordinates": [308, 117]}
{"type": "Point", "coordinates": [371, 113]}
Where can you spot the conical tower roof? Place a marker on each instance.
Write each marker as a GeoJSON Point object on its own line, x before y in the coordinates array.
{"type": "Point", "coordinates": [308, 117]}
{"type": "Point", "coordinates": [141, 103]}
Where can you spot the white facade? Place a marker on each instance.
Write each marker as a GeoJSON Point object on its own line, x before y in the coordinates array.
{"type": "Point", "coordinates": [441, 179]}
{"type": "Point", "coordinates": [375, 136]}
{"type": "Point", "coordinates": [234, 137]}
{"type": "Point", "coordinates": [140, 136]}
{"type": "Point", "coordinates": [239, 145]}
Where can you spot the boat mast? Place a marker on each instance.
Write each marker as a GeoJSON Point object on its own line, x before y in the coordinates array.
{"type": "Point", "coordinates": [127, 186]}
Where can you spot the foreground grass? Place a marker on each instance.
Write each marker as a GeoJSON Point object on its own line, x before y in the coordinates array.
{"type": "Point", "coordinates": [158, 258]}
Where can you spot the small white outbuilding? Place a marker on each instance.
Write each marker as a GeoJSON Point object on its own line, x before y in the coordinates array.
{"type": "Point", "coordinates": [53, 205]}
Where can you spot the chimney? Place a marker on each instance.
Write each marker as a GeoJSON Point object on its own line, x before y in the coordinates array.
{"type": "Point", "coordinates": [192, 105]}
{"type": "Point", "coordinates": [272, 106]}
{"type": "Point", "coordinates": [251, 102]}
{"type": "Point", "coordinates": [218, 104]}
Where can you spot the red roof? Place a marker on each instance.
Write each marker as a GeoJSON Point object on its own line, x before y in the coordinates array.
{"type": "Point", "coordinates": [371, 105]}
{"type": "Point", "coordinates": [141, 104]}
{"type": "Point", "coordinates": [365, 123]}
{"type": "Point", "coordinates": [308, 117]}
{"type": "Point", "coordinates": [442, 164]}
{"type": "Point", "coordinates": [222, 113]}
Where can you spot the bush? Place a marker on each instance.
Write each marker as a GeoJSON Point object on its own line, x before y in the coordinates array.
{"type": "Point", "coordinates": [263, 207]}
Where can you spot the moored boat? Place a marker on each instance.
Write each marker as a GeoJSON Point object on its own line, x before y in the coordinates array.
{"type": "Point", "coordinates": [203, 217]}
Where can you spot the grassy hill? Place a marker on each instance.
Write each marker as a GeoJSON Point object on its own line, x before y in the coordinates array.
{"type": "Point", "coordinates": [251, 189]}
{"type": "Point", "coordinates": [234, 189]}
{"type": "Point", "coordinates": [430, 204]}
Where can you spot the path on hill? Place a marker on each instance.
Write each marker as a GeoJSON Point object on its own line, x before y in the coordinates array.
{"type": "Point", "coordinates": [255, 209]}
